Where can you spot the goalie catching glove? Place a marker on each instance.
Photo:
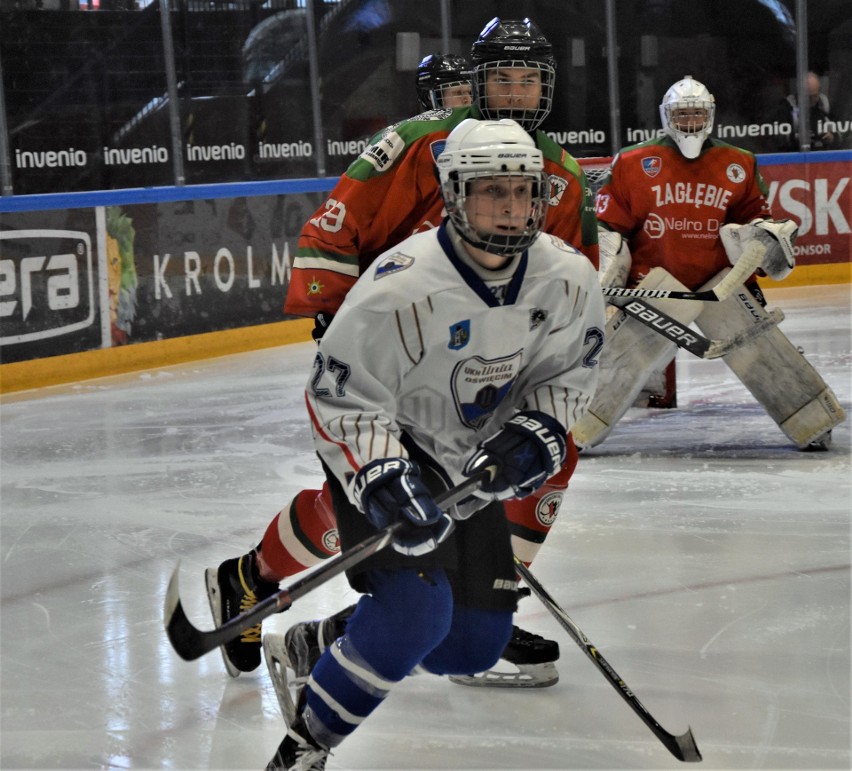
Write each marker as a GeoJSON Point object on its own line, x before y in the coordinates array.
{"type": "Point", "coordinates": [778, 236]}
{"type": "Point", "coordinates": [391, 489]}
{"type": "Point", "coordinates": [527, 451]}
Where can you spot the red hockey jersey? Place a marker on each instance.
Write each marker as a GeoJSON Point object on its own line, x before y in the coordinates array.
{"type": "Point", "coordinates": [671, 207]}
{"type": "Point", "coordinates": [391, 191]}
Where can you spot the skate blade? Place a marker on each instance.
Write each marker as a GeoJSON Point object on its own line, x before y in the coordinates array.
{"type": "Point", "coordinates": [287, 685]}
{"type": "Point", "coordinates": [527, 676]}
{"type": "Point", "coordinates": [212, 581]}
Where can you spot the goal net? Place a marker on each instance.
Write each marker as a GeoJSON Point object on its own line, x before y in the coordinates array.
{"type": "Point", "coordinates": [595, 170]}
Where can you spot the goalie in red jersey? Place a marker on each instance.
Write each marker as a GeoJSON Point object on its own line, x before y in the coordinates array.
{"type": "Point", "coordinates": [675, 213]}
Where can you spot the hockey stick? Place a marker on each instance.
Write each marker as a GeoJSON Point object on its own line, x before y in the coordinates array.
{"type": "Point", "coordinates": [191, 643]}
{"type": "Point", "coordinates": [749, 261]}
{"type": "Point", "coordinates": [683, 747]}
{"type": "Point", "coordinates": [692, 341]}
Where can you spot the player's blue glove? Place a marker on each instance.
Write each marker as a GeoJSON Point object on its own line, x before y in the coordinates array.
{"type": "Point", "coordinates": [390, 489]}
{"type": "Point", "coordinates": [528, 450]}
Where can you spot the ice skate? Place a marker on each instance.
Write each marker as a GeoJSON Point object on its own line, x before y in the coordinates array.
{"type": "Point", "coordinates": [527, 662]}
{"type": "Point", "coordinates": [291, 656]}
{"type": "Point", "coordinates": [298, 751]}
{"type": "Point", "coordinates": [233, 588]}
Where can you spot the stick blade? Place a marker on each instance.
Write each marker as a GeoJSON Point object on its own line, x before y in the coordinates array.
{"type": "Point", "coordinates": [187, 641]}
{"type": "Point", "coordinates": [687, 749]}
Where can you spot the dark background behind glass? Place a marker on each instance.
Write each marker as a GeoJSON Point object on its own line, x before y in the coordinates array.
{"type": "Point", "coordinates": [86, 88]}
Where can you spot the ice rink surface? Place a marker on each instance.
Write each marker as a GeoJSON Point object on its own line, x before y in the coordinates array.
{"type": "Point", "coordinates": [706, 557]}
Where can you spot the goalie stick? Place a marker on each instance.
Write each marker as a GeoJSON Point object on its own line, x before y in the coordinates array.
{"type": "Point", "coordinates": [692, 341]}
{"type": "Point", "coordinates": [751, 260]}
{"type": "Point", "coordinates": [191, 643]}
{"type": "Point", "coordinates": [683, 747]}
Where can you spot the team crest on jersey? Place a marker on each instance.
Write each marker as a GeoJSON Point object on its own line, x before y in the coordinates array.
{"type": "Point", "coordinates": [558, 185]}
{"type": "Point", "coordinates": [479, 385]}
{"type": "Point", "coordinates": [331, 540]}
{"type": "Point", "coordinates": [393, 263]}
{"type": "Point", "coordinates": [437, 147]}
{"type": "Point", "coordinates": [459, 335]}
{"type": "Point", "coordinates": [537, 317]}
{"type": "Point", "coordinates": [735, 172]}
{"type": "Point", "coordinates": [547, 508]}
{"type": "Point", "coordinates": [652, 165]}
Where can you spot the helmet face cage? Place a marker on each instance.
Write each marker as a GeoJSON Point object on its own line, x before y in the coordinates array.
{"type": "Point", "coordinates": [457, 189]}
{"type": "Point", "coordinates": [498, 93]}
{"type": "Point", "coordinates": [687, 113]}
{"type": "Point", "coordinates": [501, 47]}
{"type": "Point", "coordinates": [437, 74]}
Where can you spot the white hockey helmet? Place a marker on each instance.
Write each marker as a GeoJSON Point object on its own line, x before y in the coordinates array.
{"type": "Point", "coordinates": [687, 112]}
{"type": "Point", "coordinates": [492, 148]}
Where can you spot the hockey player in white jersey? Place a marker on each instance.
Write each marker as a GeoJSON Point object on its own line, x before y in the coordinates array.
{"type": "Point", "coordinates": [471, 345]}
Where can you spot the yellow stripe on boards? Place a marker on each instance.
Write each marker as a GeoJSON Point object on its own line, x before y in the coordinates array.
{"type": "Point", "coordinates": [807, 275]}
{"type": "Point", "coordinates": [54, 370]}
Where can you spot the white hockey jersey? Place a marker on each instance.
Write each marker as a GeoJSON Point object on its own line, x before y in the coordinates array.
{"type": "Point", "coordinates": [421, 346]}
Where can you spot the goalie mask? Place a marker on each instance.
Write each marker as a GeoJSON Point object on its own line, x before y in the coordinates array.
{"type": "Point", "coordinates": [440, 76]}
{"type": "Point", "coordinates": [513, 73]}
{"type": "Point", "coordinates": [494, 185]}
{"type": "Point", "coordinates": [687, 112]}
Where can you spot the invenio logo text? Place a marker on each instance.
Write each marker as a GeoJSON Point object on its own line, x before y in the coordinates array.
{"type": "Point", "coordinates": [46, 284]}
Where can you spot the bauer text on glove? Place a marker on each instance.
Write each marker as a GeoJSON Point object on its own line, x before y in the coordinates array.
{"type": "Point", "coordinates": [391, 489]}
{"type": "Point", "coordinates": [528, 450]}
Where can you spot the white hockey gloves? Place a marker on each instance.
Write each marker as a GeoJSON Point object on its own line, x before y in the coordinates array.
{"type": "Point", "coordinates": [528, 450]}
{"type": "Point", "coordinates": [778, 236]}
{"type": "Point", "coordinates": [390, 489]}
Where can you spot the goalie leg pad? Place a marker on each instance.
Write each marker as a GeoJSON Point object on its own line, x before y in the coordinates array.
{"type": "Point", "coordinates": [632, 352]}
{"type": "Point", "coordinates": [776, 373]}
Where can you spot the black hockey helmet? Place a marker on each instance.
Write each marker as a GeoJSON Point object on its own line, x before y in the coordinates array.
{"type": "Point", "coordinates": [437, 72]}
{"type": "Point", "coordinates": [519, 44]}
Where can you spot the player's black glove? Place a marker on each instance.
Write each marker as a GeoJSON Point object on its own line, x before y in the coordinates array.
{"type": "Point", "coordinates": [321, 322]}
{"type": "Point", "coordinates": [390, 489]}
{"type": "Point", "coordinates": [528, 450]}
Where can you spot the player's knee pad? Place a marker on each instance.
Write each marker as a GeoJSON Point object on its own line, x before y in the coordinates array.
{"type": "Point", "coordinates": [773, 369]}
{"type": "Point", "coordinates": [531, 518]}
{"type": "Point", "coordinates": [476, 640]}
{"type": "Point", "coordinates": [301, 535]}
{"type": "Point", "coordinates": [632, 352]}
{"type": "Point", "coordinates": [406, 615]}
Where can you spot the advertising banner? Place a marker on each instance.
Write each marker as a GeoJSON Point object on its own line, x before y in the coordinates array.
{"type": "Point", "coordinates": [49, 290]}
{"type": "Point", "coordinates": [818, 196]}
{"type": "Point", "coordinates": [79, 279]}
{"type": "Point", "coordinates": [205, 265]}
{"type": "Point", "coordinates": [145, 268]}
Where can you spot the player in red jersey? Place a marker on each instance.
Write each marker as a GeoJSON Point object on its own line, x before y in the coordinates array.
{"type": "Point", "coordinates": [669, 196]}
{"type": "Point", "coordinates": [675, 212]}
{"type": "Point", "coordinates": [390, 192]}
{"type": "Point", "coordinates": [443, 81]}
